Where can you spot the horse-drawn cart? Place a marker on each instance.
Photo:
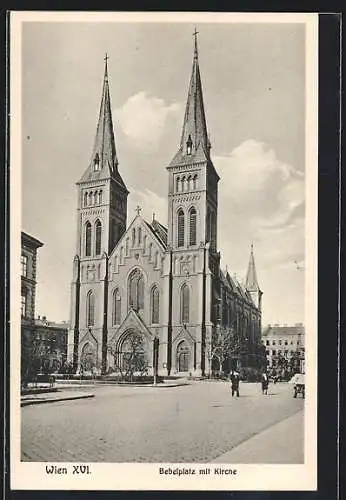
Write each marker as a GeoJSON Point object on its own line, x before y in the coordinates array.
{"type": "Point", "coordinates": [298, 381]}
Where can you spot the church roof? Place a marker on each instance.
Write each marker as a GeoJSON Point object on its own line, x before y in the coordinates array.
{"type": "Point", "coordinates": [251, 282]}
{"type": "Point", "coordinates": [235, 286]}
{"type": "Point", "coordinates": [158, 230]}
{"type": "Point", "coordinates": [104, 152]}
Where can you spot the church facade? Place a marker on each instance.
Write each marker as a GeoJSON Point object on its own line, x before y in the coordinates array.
{"type": "Point", "coordinates": [149, 288]}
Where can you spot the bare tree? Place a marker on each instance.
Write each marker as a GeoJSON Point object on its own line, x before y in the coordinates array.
{"type": "Point", "coordinates": [131, 358]}
{"type": "Point", "coordinates": [224, 344]}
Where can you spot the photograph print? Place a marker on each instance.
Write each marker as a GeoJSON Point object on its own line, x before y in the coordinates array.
{"type": "Point", "coordinates": [164, 245]}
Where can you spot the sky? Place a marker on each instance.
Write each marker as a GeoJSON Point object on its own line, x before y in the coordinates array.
{"type": "Point", "coordinates": [253, 78]}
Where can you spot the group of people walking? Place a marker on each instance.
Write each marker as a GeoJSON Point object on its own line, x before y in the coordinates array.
{"type": "Point", "coordinates": [235, 380]}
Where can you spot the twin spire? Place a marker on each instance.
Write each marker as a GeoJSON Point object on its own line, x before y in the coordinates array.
{"type": "Point", "coordinates": [195, 131]}
{"type": "Point", "coordinates": [104, 152]}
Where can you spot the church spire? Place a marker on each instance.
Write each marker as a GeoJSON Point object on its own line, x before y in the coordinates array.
{"type": "Point", "coordinates": [194, 126]}
{"type": "Point", "coordinates": [251, 276]}
{"type": "Point", "coordinates": [104, 150]}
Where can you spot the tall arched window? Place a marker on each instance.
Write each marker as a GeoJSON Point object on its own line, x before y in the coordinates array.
{"type": "Point", "coordinates": [213, 230]}
{"type": "Point", "coordinates": [88, 239]}
{"type": "Point", "coordinates": [133, 237]}
{"type": "Point", "coordinates": [139, 236]}
{"type": "Point", "coordinates": [155, 305]}
{"type": "Point", "coordinates": [90, 308]}
{"type": "Point", "coordinates": [145, 243]}
{"type": "Point", "coordinates": [181, 228]}
{"type": "Point", "coordinates": [150, 251]}
{"type": "Point", "coordinates": [193, 225]}
{"type": "Point", "coordinates": [156, 261]}
{"type": "Point", "coordinates": [98, 237]}
{"type": "Point", "coordinates": [116, 308]}
{"type": "Point", "coordinates": [177, 184]}
{"type": "Point", "coordinates": [85, 199]}
{"type": "Point", "coordinates": [189, 183]}
{"type": "Point", "coordinates": [185, 304]}
{"type": "Point", "coordinates": [100, 196]}
{"type": "Point", "coordinates": [90, 198]}
{"type": "Point", "coordinates": [183, 181]}
{"type": "Point", "coordinates": [195, 181]}
{"type": "Point", "coordinates": [136, 290]}
{"type": "Point", "coordinates": [96, 198]}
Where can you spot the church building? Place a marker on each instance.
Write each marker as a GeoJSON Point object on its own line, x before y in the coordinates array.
{"type": "Point", "coordinates": [143, 287]}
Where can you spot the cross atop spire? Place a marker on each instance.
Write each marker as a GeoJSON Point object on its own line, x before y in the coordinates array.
{"type": "Point", "coordinates": [195, 33]}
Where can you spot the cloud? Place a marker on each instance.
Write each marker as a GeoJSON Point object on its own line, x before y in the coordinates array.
{"type": "Point", "coordinates": [143, 119]}
{"type": "Point", "coordinates": [261, 200]}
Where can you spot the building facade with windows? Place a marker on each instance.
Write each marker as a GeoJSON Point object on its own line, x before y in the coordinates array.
{"type": "Point", "coordinates": [144, 279]}
{"type": "Point", "coordinates": [28, 261]}
{"type": "Point", "coordinates": [285, 347]}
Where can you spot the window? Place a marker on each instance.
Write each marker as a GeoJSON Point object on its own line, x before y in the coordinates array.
{"type": "Point", "coordinates": [298, 342]}
{"type": "Point", "coordinates": [273, 352]}
{"type": "Point", "coordinates": [213, 230]}
{"type": "Point", "coordinates": [156, 262]}
{"type": "Point", "coordinates": [90, 309]}
{"type": "Point", "coordinates": [208, 224]}
{"type": "Point", "coordinates": [183, 181]}
{"type": "Point", "coordinates": [189, 183]}
{"type": "Point", "coordinates": [181, 228]}
{"type": "Point", "coordinates": [88, 239]}
{"type": "Point", "coordinates": [177, 184]}
{"type": "Point", "coordinates": [150, 251]}
{"type": "Point", "coordinates": [280, 342]}
{"type": "Point", "coordinates": [195, 181]}
{"type": "Point", "coordinates": [185, 304]}
{"type": "Point", "coordinates": [273, 342]}
{"type": "Point", "coordinates": [96, 198]}
{"type": "Point", "coordinates": [116, 307]}
{"type": "Point", "coordinates": [286, 343]}
{"type": "Point", "coordinates": [97, 162]}
{"type": "Point", "coordinates": [136, 290]}
{"type": "Point", "coordinates": [85, 199]}
{"type": "Point", "coordinates": [90, 198]}
{"type": "Point", "coordinates": [145, 243]}
{"type": "Point", "coordinates": [100, 196]}
{"type": "Point", "coordinates": [24, 265]}
{"type": "Point", "coordinates": [139, 236]}
{"type": "Point", "coordinates": [23, 302]}
{"type": "Point", "coordinates": [189, 145]}
{"type": "Point", "coordinates": [133, 237]}
{"type": "Point", "coordinates": [267, 342]}
{"type": "Point", "coordinates": [98, 232]}
{"type": "Point", "coordinates": [267, 353]}
{"type": "Point", "coordinates": [155, 306]}
{"type": "Point", "coordinates": [127, 246]}
{"type": "Point", "coordinates": [193, 223]}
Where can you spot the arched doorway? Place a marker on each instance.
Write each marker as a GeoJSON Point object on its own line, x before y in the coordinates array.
{"type": "Point", "coordinates": [183, 357]}
{"type": "Point", "coordinates": [131, 356]}
{"type": "Point", "coordinates": [88, 359]}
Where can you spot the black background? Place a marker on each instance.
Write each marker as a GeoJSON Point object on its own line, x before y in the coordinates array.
{"type": "Point", "coordinates": [328, 250]}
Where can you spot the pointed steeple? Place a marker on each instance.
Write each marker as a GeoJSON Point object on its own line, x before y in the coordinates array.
{"type": "Point", "coordinates": [251, 282]}
{"type": "Point", "coordinates": [104, 161]}
{"type": "Point", "coordinates": [194, 127]}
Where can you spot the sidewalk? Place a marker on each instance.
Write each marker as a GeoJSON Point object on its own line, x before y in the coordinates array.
{"type": "Point", "coordinates": [53, 397]}
{"type": "Point", "coordinates": [280, 443]}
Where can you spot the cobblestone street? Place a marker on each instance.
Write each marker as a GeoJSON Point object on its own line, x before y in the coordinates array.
{"type": "Point", "coordinates": [193, 423]}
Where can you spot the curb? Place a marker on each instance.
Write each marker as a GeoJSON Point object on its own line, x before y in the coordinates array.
{"type": "Point", "coordinates": [55, 400]}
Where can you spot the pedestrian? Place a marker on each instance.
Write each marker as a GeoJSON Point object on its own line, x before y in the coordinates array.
{"type": "Point", "coordinates": [235, 379]}
{"type": "Point", "coordinates": [265, 383]}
